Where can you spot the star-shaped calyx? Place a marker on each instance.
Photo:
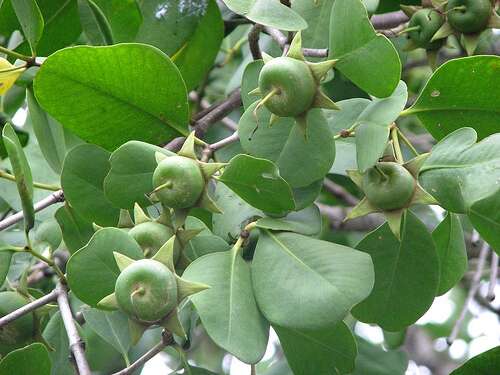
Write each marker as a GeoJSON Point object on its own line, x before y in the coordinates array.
{"type": "Point", "coordinates": [289, 85]}
{"type": "Point", "coordinates": [390, 188]}
{"type": "Point", "coordinates": [149, 292]}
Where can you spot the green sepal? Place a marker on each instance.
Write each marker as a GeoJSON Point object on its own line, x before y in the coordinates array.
{"type": "Point", "coordinates": [125, 220]}
{"type": "Point", "coordinates": [188, 288]}
{"type": "Point", "coordinates": [186, 235]}
{"type": "Point", "coordinates": [165, 254]}
{"type": "Point", "coordinates": [470, 42]}
{"type": "Point", "coordinates": [364, 207]}
{"type": "Point", "coordinates": [22, 286]}
{"type": "Point", "coordinates": [410, 10]}
{"type": "Point", "coordinates": [122, 261]}
{"type": "Point", "coordinates": [422, 197]}
{"type": "Point", "coordinates": [173, 325]}
{"type": "Point", "coordinates": [208, 169]}
{"type": "Point", "coordinates": [273, 119]}
{"type": "Point", "coordinates": [208, 203]}
{"type": "Point", "coordinates": [410, 46]}
{"type": "Point", "coordinates": [136, 330]}
{"type": "Point", "coordinates": [160, 157]}
{"type": "Point", "coordinates": [320, 69]}
{"type": "Point", "coordinates": [494, 22]}
{"type": "Point", "coordinates": [179, 217]}
{"type": "Point", "coordinates": [295, 50]}
{"type": "Point", "coordinates": [444, 32]}
{"type": "Point", "coordinates": [108, 303]}
{"type": "Point", "coordinates": [187, 149]}
{"type": "Point", "coordinates": [266, 57]}
{"type": "Point", "coordinates": [413, 166]}
{"type": "Point", "coordinates": [394, 219]}
{"type": "Point", "coordinates": [255, 91]}
{"type": "Point", "coordinates": [139, 215]}
{"type": "Point", "coordinates": [432, 58]}
{"type": "Point", "coordinates": [356, 177]}
{"type": "Point", "coordinates": [439, 4]}
{"type": "Point", "coordinates": [323, 101]}
{"type": "Point", "coordinates": [96, 227]}
{"type": "Point", "coordinates": [165, 218]}
{"type": "Point", "coordinates": [301, 122]}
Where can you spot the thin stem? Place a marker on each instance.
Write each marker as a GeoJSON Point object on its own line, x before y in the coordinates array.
{"type": "Point", "coordinates": [167, 339]}
{"type": "Point", "coordinates": [339, 192]}
{"type": "Point", "coordinates": [19, 56]}
{"type": "Point", "coordinates": [210, 149]}
{"type": "Point", "coordinates": [55, 197]}
{"type": "Point", "coordinates": [76, 345]}
{"type": "Point", "coordinates": [253, 370]}
{"type": "Point", "coordinates": [38, 185]}
{"type": "Point", "coordinates": [395, 145]}
{"type": "Point", "coordinates": [50, 262]}
{"type": "Point", "coordinates": [408, 29]}
{"type": "Point", "coordinates": [474, 287]}
{"type": "Point", "coordinates": [253, 41]}
{"type": "Point", "coordinates": [493, 276]}
{"type": "Point", "coordinates": [407, 142]}
{"type": "Point", "coordinates": [16, 314]}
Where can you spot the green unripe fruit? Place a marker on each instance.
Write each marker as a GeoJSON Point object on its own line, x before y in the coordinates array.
{"type": "Point", "coordinates": [293, 83]}
{"type": "Point", "coordinates": [146, 291]}
{"type": "Point", "coordinates": [20, 332]}
{"type": "Point", "coordinates": [151, 236]}
{"type": "Point", "coordinates": [181, 180]}
{"type": "Point", "coordinates": [388, 186]}
{"type": "Point", "coordinates": [472, 18]}
{"type": "Point", "coordinates": [429, 22]}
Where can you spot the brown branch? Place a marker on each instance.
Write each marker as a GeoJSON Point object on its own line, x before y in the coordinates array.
{"type": "Point", "coordinates": [253, 41]}
{"type": "Point", "coordinates": [55, 197]}
{"type": "Point", "coordinates": [209, 150]}
{"type": "Point", "coordinates": [52, 296]}
{"type": "Point", "coordinates": [493, 276]}
{"type": "Point", "coordinates": [76, 345]}
{"type": "Point", "coordinates": [339, 192]}
{"type": "Point", "coordinates": [166, 340]}
{"type": "Point", "coordinates": [389, 20]}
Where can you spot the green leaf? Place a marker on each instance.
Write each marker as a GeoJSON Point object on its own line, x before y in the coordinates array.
{"type": "Point", "coordinates": [268, 13]}
{"type": "Point", "coordinates": [22, 171]}
{"type": "Point", "coordinates": [306, 221]}
{"type": "Point", "coordinates": [31, 20]}
{"type": "Point", "coordinates": [132, 165]}
{"type": "Point", "coordinates": [442, 106]}
{"type": "Point", "coordinates": [249, 82]}
{"type": "Point", "coordinates": [486, 363]}
{"type": "Point", "coordinates": [368, 59]}
{"type": "Point", "coordinates": [460, 172]}
{"type": "Point", "coordinates": [112, 327]}
{"type": "Point", "coordinates": [400, 295]}
{"type": "Point", "coordinates": [202, 47]}
{"type": "Point", "coordinates": [450, 245]}
{"type": "Point", "coordinates": [258, 182]}
{"type": "Point", "coordinates": [56, 336]}
{"type": "Point", "coordinates": [374, 360]}
{"type": "Point", "coordinates": [485, 217]}
{"type": "Point", "coordinates": [82, 178]}
{"type": "Point", "coordinates": [5, 259]}
{"type": "Point", "coordinates": [304, 283]}
{"type": "Point", "coordinates": [320, 351]}
{"type": "Point", "coordinates": [305, 196]}
{"type": "Point", "coordinates": [300, 160]}
{"type": "Point", "coordinates": [32, 359]}
{"type": "Point", "coordinates": [92, 270]}
{"type": "Point", "coordinates": [317, 16]}
{"type": "Point", "coordinates": [76, 230]}
{"type": "Point", "coordinates": [145, 100]}
{"type": "Point", "coordinates": [228, 309]}
{"type": "Point", "coordinates": [94, 23]}
{"type": "Point", "coordinates": [204, 243]}
{"type": "Point", "coordinates": [124, 16]}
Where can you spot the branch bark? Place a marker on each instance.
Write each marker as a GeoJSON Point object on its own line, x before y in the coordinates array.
{"type": "Point", "coordinates": [32, 306]}
{"type": "Point", "coordinates": [253, 41]}
{"type": "Point", "coordinates": [389, 20]}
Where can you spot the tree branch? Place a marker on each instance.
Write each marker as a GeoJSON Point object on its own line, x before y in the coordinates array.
{"type": "Point", "coordinates": [253, 41]}
{"type": "Point", "coordinates": [389, 20]}
{"type": "Point", "coordinates": [76, 345]}
{"type": "Point", "coordinates": [493, 276]}
{"type": "Point", "coordinates": [52, 296]}
{"type": "Point", "coordinates": [339, 192]}
{"type": "Point", "coordinates": [166, 340]}
{"type": "Point", "coordinates": [56, 197]}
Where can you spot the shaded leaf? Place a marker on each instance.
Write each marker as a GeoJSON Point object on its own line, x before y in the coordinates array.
{"type": "Point", "coordinates": [306, 221]}
{"type": "Point", "coordinates": [31, 20]}
{"type": "Point", "coordinates": [32, 359]}
{"type": "Point", "coordinates": [485, 217]}
{"type": "Point", "coordinates": [486, 363]}
{"type": "Point", "coordinates": [75, 229]}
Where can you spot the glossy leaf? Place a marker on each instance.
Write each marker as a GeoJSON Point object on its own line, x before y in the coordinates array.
{"type": "Point", "coordinates": [146, 100]}
{"type": "Point", "coordinates": [483, 364]}
{"type": "Point", "coordinates": [306, 221]}
{"type": "Point", "coordinates": [31, 20]}
{"type": "Point", "coordinates": [95, 25]}
{"type": "Point", "coordinates": [304, 283]}
{"type": "Point", "coordinates": [75, 229]}
{"type": "Point", "coordinates": [132, 165]}
{"type": "Point", "coordinates": [406, 294]}
{"type": "Point", "coordinates": [442, 106]}
{"type": "Point", "coordinates": [22, 171]}
{"type": "Point", "coordinates": [228, 309]}
{"type": "Point", "coordinates": [460, 171]}
{"type": "Point", "coordinates": [124, 17]}
{"type": "Point", "coordinates": [368, 59]}
{"type": "Point", "coordinates": [450, 245]}
{"type": "Point", "coordinates": [82, 180]}
{"type": "Point", "coordinates": [300, 160]}
{"type": "Point", "coordinates": [92, 270]}
{"type": "Point", "coordinates": [269, 13]}
{"type": "Point", "coordinates": [258, 182]}
{"type": "Point", "coordinates": [485, 217]}
{"type": "Point", "coordinates": [32, 359]}
{"type": "Point", "coordinates": [321, 351]}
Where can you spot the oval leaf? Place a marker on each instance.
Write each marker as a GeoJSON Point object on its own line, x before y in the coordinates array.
{"type": "Point", "coordinates": [306, 221]}
{"type": "Point", "coordinates": [32, 359]}
{"type": "Point", "coordinates": [486, 363]}
{"type": "Point", "coordinates": [146, 100]}
{"type": "Point", "coordinates": [485, 217]}
{"type": "Point", "coordinates": [76, 231]}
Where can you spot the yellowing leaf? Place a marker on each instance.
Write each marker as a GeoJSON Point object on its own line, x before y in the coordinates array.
{"type": "Point", "coordinates": [8, 75]}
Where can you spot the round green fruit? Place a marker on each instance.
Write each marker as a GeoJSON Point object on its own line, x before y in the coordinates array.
{"type": "Point", "coordinates": [469, 16]}
{"type": "Point", "coordinates": [20, 332]}
{"type": "Point", "coordinates": [146, 291]}
{"type": "Point", "coordinates": [293, 84]}
{"type": "Point", "coordinates": [388, 186]}
{"type": "Point", "coordinates": [429, 22]}
{"type": "Point", "coordinates": [151, 236]}
{"type": "Point", "coordinates": [181, 182]}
